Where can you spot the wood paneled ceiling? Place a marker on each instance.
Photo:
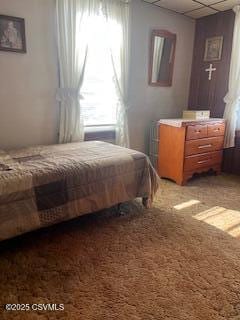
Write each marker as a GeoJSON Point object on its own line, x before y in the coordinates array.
{"type": "Point", "coordinates": [195, 8]}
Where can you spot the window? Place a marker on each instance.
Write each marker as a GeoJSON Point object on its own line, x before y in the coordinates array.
{"type": "Point", "coordinates": [238, 119]}
{"type": "Point", "coordinates": [98, 91]}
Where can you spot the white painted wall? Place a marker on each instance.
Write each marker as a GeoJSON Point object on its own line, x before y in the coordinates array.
{"type": "Point", "coordinates": [28, 82]}
{"type": "Point", "coordinates": [152, 103]}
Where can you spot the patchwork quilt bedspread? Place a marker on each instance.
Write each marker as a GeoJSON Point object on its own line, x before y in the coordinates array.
{"type": "Point", "coordinates": [43, 185]}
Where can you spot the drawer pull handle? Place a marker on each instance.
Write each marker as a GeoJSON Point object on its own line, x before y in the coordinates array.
{"type": "Point", "coordinates": [202, 161]}
{"type": "Point", "coordinates": [205, 146]}
{"type": "Point", "coordinates": [218, 129]}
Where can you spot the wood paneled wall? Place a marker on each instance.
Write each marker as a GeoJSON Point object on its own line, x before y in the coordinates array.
{"type": "Point", "coordinates": [231, 157]}
{"type": "Point", "coordinates": [205, 94]}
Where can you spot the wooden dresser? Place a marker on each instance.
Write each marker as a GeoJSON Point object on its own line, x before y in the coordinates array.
{"type": "Point", "coordinates": [188, 146]}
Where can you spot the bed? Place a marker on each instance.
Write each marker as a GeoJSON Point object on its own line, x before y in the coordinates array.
{"type": "Point", "coordinates": [44, 185]}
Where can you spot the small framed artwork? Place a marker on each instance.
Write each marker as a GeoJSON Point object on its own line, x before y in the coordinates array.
{"type": "Point", "coordinates": [213, 49]}
{"type": "Point", "coordinates": [12, 34]}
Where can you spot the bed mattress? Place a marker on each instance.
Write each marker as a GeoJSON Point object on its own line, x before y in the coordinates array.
{"type": "Point", "coordinates": [43, 185]}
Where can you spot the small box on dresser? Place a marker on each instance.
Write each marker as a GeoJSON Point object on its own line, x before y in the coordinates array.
{"type": "Point", "coordinates": [189, 146]}
{"type": "Point", "coordinates": [196, 114]}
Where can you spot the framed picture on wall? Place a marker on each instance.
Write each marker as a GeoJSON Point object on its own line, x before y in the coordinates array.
{"type": "Point", "coordinates": [12, 34]}
{"type": "Point", "coordinates": [213, 49]}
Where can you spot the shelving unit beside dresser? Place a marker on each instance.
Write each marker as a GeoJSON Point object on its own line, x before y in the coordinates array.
{"type": "Point", "coordinates": [188, 146]}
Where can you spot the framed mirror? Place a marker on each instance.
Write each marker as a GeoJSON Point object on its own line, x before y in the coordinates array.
{"type": "Point", "coordinates": [162, 55]}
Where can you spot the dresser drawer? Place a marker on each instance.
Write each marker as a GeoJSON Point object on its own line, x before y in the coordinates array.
{"type": "Point", "coordinates": [216, 129]}
{"type": "Point", "coordinates": [197, 132]}
{"type": "Point", "coordinates": [203, 145]}
{"type": "Point", "coordinates": [204, 160]}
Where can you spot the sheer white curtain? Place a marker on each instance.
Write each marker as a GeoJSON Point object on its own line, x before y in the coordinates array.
{"type": "Point", "coordinates": [232, 99]}
{"type": "Point", "coordinates": [117, 16]}
{"type": "Point", "coordinates": [72, 50]}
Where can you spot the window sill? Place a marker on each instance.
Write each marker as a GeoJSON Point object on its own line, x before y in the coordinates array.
{"type": "Point", "coordinates": [99, 128]}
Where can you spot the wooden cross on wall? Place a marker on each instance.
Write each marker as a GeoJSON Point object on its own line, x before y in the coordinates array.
{"type": "Point", "coordinates": [210, 70]}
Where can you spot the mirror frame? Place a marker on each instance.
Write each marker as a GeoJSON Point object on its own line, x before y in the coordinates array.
{"type": "Point", "coordinates": [164, 34]}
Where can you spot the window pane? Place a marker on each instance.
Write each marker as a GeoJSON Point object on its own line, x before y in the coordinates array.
{"type": "Point", "coordinates": [98, 91]}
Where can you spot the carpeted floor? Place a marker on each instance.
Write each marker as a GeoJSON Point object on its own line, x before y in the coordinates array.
{"type": "Point", "coordinates": [177, 261]}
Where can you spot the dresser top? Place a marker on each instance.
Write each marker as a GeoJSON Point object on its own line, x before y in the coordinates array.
{"type": "Point", "coordinates": [187, 122]}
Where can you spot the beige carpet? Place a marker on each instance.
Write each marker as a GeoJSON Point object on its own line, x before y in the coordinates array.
{"type": "Point", "coordinates": [177, 261]}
